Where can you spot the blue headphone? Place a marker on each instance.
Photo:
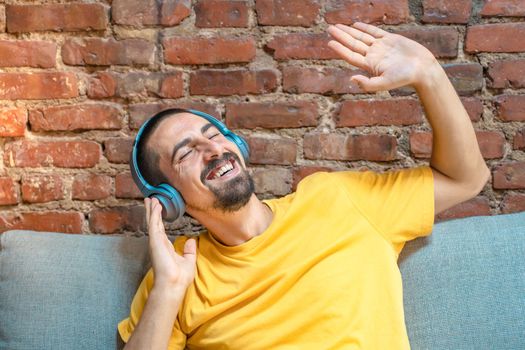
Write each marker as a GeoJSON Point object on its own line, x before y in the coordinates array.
{"type": "Point", "coordinates": [173, 206]}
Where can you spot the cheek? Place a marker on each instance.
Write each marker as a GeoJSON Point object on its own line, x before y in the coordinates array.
{"type": "Point", "coordinates": [188, 174]}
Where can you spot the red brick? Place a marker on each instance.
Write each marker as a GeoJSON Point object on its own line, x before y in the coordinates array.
{"type": "Point", "coordinates": [125, 187]}
{"type": "Point", "coordinates": [421, 144]}
{"type": "Point", "coordinates": [503, 8]}
{"type": "Point", "coordinates": [405, 111]}
{"type": "Point", "coordinates": [279, 151]}
{"type": "Point", "coordinates": [446, 11]}
{"type": "Point", "coordinates": [324, 80]}
{"type": "Point", "coordinates": [509, 176]}
{"type": "Point", "coordinates": [42, 188]}
{"type": "Point", "coordinates": [90, 187]}
{"type": "Point", "coordinates": [220, 13]}
{"type": "Point", "coordinates": [56, 17]}
{"type": "Point", "coordinates": [214, 50]}
{"type": "Point", "coordinates": [301, 172]}
{"type": "Point", "coordinates": [507, 74]}
{"type": "Point", "coordinates": [287, 12]}
{"type": "Point", "coordinates": [510, 107]}
{"type": "Point", "coordinates": [62, 154]}
{"type": "Point", "coordinates": [13, 122]}
{"type": "Point", "coordinates": [107, 52]}
{"type": "Point", "coordinates": [467, 78]}
{"type": "Point", "coordinates": [35, 86]}
{"type": "Point", "coordinates": [145, 84]}
{"type": "Point", "coordinates": [138, 113]}
{"type": "Point", "coordinates": [478, 206]}
{"type": "Point", "coordinates": [150, 12]}
{"type": "Point", "coordinates": [497, 37]}
{"type": "Point", "coordinates": [19, 53]}
{"type": "Point", "coordinates": [474, 107]}
{"type": "Point", "coordinates": [350, 147]}
{"type": "Point", "coordinates": [519, 140]}
{"type": "Point", "coordinates": [232, 82]}
{"type": "Point", "coordinates": [8, 191]}
{"type": "Point", "coordinates": [51, 221]}
{"type": "Point", "coordinates": [491, 144]}
{"type": "Point", "coordinates": [271, 115]}
{"type": "Point", "coordinates": [112, 220]}
{"type": "Point", "coordinates": [118, 150]}
{"type": "Point", "coordinates": [101, 85]}
{"type": "Point", "coordinates": [442, 42]}
{"type": "Point", "coordinates": [371, 11]}
{"type": "Point", "coordinates": [513, 203]}
{"type": "Point", "coordinates": [301, 46]}
{"type": "Point", "coordinates": [75, 118]}
{"type": "Point", "coordinates": [172, 86]}
{"type": "Point", "coordinates": [274, 181]}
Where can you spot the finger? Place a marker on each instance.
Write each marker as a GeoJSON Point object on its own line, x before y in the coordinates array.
{"type": "Point", "coordinates": [357, 34]}
{"type": "Point", "coordinates": [158, 217]}
{"type": "Point", "coordinates": [153, 221]}
{"type": "Point", "coordinates": [371, 84]}
{"type": "Point", "coordinates": [370, 29]}
{"type": "Point", "coordinates": [348, 55]}
{"type": "Point", "coordinates": [348, 40]}
{"type": "Point", "coordinates": [190, 250]}
{"type": "Point", "coordinates": [160, 223]}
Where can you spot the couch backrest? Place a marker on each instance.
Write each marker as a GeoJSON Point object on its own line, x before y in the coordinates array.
{"type": "Point", "coordinates": [66, 291]}
{"type": "Point", "coordinates": [464, 286]}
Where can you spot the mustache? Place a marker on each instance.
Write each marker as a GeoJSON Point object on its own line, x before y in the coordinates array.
{"type": "Point", "coordinates": [213, 163]}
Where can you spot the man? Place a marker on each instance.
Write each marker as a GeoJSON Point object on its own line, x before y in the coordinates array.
{"type": "Point", "coordinates": [316, 269]}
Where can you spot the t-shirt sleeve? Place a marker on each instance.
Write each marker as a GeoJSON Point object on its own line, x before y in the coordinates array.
{"type": "Point", "coordinates": [128, 325]}
{"type": "Point", "coordinates": [399, 203]}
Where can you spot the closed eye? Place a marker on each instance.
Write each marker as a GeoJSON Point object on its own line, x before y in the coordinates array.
{"type": "Point", "coordinates": [185, 155]}
{"type": "Point", "coordinates": [212, 136]}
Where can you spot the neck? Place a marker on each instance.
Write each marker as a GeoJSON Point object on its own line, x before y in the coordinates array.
{"type": "Point", "coordinates": [234, 228]}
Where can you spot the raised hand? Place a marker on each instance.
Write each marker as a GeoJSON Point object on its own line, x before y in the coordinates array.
{"type": "Point", "coordinates": [391, 60]}
{"type": "Point", "coordinates": [169, 268]}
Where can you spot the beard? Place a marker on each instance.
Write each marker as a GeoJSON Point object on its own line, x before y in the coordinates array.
{"type": "Point", "coordinates": [233, 194]}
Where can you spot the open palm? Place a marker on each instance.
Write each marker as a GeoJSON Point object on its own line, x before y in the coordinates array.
{"type": "Point", "coordinates": [391, 60]}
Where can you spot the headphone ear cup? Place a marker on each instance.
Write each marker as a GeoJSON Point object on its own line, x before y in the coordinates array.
{"type": "Point", "coordinates": [173, 207]}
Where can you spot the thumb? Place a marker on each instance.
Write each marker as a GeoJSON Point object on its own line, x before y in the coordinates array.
{"type": "Point", "coordinates": [370, 84]}
{"type": "Point", "coordinates": [190, 250]}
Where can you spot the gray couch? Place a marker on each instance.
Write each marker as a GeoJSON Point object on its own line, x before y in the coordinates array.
{"type": "Point", "coordinates": [464, 287]}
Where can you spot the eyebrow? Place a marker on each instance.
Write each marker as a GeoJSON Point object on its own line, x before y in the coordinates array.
{"type": "Point", "coordinates": [188, 140]}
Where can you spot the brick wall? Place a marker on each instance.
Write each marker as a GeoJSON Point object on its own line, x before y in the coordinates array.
{"type": "Point", "coordinates": [77, 79]}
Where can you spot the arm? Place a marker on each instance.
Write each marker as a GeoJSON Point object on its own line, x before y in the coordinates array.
{"type": "Point", "coordinates": [394, 61]}
{"type": "Point", "coordinates": [172, 276]}
{"type": "Point", "coordinates": [156, 322]}
{"type": "Point", "coordinates": [458, 166]}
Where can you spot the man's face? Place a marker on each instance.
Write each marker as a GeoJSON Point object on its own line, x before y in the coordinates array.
{"type": "Point", "coordinates": [206, 168]}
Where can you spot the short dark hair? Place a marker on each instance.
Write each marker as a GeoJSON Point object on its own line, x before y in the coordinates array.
{"type": "Point", "coordinates": [147, 157]}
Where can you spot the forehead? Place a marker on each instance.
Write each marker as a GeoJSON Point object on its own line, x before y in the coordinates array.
{"type": "Point", "coordinates": [174, 129]}
{"type": "Point", "coordinates": [178, 123]}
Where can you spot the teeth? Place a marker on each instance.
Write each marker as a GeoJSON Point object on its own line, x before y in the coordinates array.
{"type": "Point", "coordinates": [222, 170]}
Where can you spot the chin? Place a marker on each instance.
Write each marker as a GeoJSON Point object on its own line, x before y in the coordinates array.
{"type": "Point", "coordinates": [235, 194]}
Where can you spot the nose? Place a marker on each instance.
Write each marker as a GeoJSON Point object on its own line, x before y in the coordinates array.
{"type": "Point", "coordinates": [211, 149]}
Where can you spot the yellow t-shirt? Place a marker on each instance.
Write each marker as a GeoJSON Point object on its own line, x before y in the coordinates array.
{"type": "Point", "coordinates": [323, 275]}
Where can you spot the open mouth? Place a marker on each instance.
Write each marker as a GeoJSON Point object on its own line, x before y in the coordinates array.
{"type": "Point", "coordinates": [224, 170]}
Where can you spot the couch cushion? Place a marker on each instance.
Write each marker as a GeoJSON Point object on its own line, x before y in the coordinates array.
{"type": "Point", "coordinates": [464, 285]}
{"type": "Point", "coordinates": [65, 291]}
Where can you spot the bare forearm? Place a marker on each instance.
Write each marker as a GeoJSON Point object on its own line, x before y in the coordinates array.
{"type": "Point", "coordinates": [455, 150]}
{"type": "Point", "coordinates": [156, 322]}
